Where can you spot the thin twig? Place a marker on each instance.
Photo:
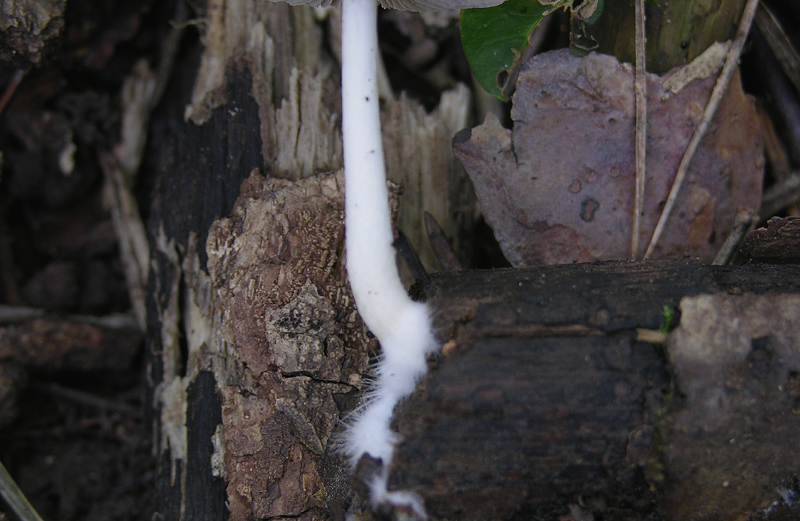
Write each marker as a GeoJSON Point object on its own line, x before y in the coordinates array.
{"type": "Point", "coordinates": [14, 497]}
{"type": "Point", "coordinates": [16, 314]}
{"type": "Point", "coordinates": [16, 79]}
{"type": "Point", "coordinates": [640, 88]}
{"type": "Point", "coordinates": [91, 400]}
{"type": "Point", "coordinates": [439, 245]}
{"type": "Point", "coordinates": [170, 48]}
{"type": "Point", "coordinates": [742, 222]}
{"type": "Point", "coordinates": [779, 43]}
{"type": "Point", "coordinates": [716, 96]}
{"type": "Point", "coordinates": [651, 336]}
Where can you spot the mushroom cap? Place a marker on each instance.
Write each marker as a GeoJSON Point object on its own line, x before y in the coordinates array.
{"type": "Point", "coordinates": [407, 5]}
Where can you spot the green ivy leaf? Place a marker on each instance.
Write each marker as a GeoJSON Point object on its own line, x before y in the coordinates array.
{"type": "Point", "coordinates": [494, 39]}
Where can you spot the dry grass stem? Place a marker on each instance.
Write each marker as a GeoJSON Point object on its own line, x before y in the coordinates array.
{"type": "Point", "coordinates": [779, 43]}
{"type": "Point", "coordinates": [640, 88]}
{"type": "Point", "coordinates": [744, 220]}
{"type": "Point", "coordinates": [15, 499]}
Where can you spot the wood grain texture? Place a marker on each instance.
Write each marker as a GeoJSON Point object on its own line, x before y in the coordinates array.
{"type": "Point", "coordinates": [778, 243]}
{"type": "Point", "coordinates": [546, 405]}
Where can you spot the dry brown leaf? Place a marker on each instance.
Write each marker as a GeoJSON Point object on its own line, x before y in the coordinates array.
{"type": "Point", "coordinates": [559, 187]}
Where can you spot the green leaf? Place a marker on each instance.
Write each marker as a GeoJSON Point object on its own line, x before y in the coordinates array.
{"type": "Point", "coordinates": [494, 39]}
{"type": "Point", "coordinates": [668, 320]}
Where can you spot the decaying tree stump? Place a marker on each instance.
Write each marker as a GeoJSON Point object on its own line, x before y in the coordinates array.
{"type": "Point", "coordinates": [240, 425]}
{"type": "Point", "coordinates": [255, 350]}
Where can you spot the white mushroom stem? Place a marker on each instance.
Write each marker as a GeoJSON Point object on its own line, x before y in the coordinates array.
{"type": "Point", "coordinates": [402, 326]}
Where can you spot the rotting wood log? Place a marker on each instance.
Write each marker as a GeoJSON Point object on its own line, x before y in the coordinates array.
{"type": "Point", "coordinates": [33, 342]}
{"type": "Point", "coordinates": [50, 344]}
{"type": "Point", "coordinates": [545, 406]}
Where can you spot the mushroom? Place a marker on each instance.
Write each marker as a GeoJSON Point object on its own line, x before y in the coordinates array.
{"type": "Point", "coordinates": [402, 326]}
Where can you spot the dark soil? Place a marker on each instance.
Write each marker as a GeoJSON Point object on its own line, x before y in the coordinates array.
{"type": "Point", "coordinates": [72, 428]}
{"type": "Point", "coordinates": [75, 459]}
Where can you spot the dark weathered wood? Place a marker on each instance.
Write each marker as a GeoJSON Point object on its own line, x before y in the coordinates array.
{"type": "Point", "coordinates": [520, 424]}
{"type": "Point", "coordinates": [198, 180]}
{"type": "Point", "coordinates": [778, 243]}
{"type": "Point", "coordinates": [603, 296]}
{"type": "Point", "coordinates": [31, 31]}
{"type": "Point", "coordinates": [546, 405]}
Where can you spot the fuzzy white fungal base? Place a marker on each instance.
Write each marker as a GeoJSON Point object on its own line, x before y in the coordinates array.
{"type": "Point", "coordinates": [401, 364]}
{"type": "Point", "coordinates": [402, 326]}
